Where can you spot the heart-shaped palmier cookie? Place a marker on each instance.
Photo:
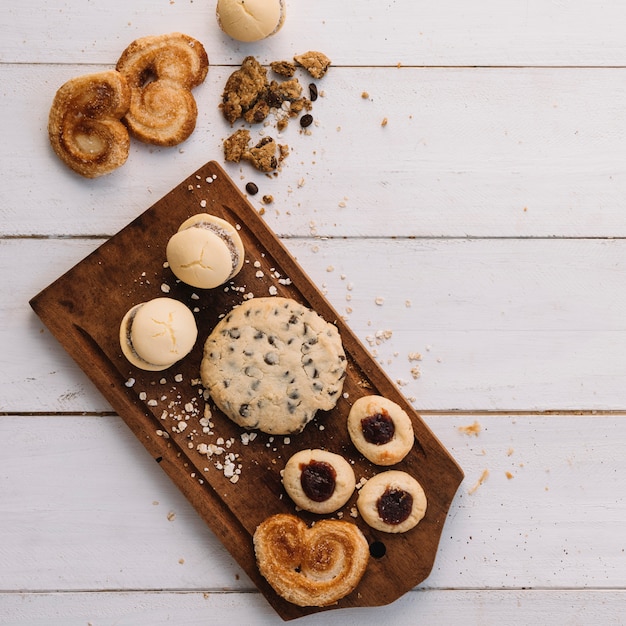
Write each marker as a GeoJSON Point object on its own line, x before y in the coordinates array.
{"type": "Point", "coordinates": [314, 566]}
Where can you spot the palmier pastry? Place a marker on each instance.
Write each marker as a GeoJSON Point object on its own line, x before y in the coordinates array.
{"type": "Point", "coordinates": [314, 566]}
{"type": "Point", "coordinates": [380, 430]}
{"type": "Point", "coordinates": [84, 124]}
{"type": "Point", "coordinates": [161, 71]}
{"type": "Point", "coordinates": [392, 501]}
{"type": "Point", "coordinates": [318, 481]}
{"type": "Point", "coordinates": [205, 252]}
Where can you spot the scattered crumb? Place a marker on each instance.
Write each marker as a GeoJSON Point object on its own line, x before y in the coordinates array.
{"type": "Point", "coordinates": [171, 516]}
{"type": "Point", "coordinates": [384, 122]}
{"type": "Point", "coordinates": [479, 482]}
{"type": "Point", "coordinates": [508, 475]}
{"type": "Point", "coordinates": [472, 429]}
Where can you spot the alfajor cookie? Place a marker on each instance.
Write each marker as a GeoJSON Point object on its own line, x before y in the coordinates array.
{"type": "Point", "coordinates": [156, 334]}
{"type": "Point", "coordinates": [206, 251]}
{"type": "Point", "coordinates": [250, 20]}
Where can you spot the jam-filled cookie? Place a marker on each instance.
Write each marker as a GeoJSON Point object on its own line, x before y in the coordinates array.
{"type": "Point", "coordinates": [380, 430]}
{"type": "Point", "coordinates": [318, 481]}
{"type": "Point", "coordinates": [392, 502]}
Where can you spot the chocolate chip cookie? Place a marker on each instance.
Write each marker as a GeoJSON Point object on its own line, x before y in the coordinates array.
{"type": "Point", "coordinates": [272, 363]}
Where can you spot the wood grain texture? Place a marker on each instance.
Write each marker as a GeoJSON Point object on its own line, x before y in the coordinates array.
{"type": "Point", "coordinates": [481, 152]}
{"type": "Point", "coordinates": [525, 325]}
{"type": "Point", "coordinates": [85, 508]}
{"type": "Point", "coordinates": [83, 309]}
{"type": "Point", "coordinates": [451, 32]}
{"type": "Point", "coordinates": [470, 607]}
{"type": "Point", "coordinates": [493, 200]}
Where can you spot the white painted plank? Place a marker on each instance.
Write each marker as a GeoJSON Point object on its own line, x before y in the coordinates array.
{"type": "Point", "coordinates": [84, 507]}
{"type": "Point", "coordinates": [472, 152]}
{"type": "Point", "coordinates": [526, 325]}
{"type": "Point", "coordinates": [450, 607]}
{"type": "Point", "coordinates": [368, 32]}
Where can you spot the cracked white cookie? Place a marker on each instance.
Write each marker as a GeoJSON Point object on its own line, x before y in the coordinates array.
{"type": "Point", "coordinates": [272, 363]}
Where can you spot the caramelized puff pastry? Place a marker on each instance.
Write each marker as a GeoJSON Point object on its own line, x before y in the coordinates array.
{"type": "Point", "coordinates": [314, 566]}
{"type": "Point", "coordinates": [84, 124]}
{"type": "Point", "coordinates": [161, 70]}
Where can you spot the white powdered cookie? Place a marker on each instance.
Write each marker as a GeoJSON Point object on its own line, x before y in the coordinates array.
{"type": "Point", "coordinates": [392, 501]}
{"type": "Point", "coordinates": [318, 481]}
{"type": "Point", "coordinates": [380, 430]}
{"type": "Point", "coordinates": [272, 363]}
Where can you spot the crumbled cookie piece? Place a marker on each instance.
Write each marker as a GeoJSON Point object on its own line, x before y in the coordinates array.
{"type": "Point", "coordinates": [315, 63]}
{"type": "Point", "coordinates": [250, 96]}
{"type": "Point", "coordinates": [236, 146]}
{"type": "Point", "coordinates": [290, 90]}
{"type": "Point", "coordinates": [283, 152]}
{"type": "Point", "coordinates": [263, 155]}
{"type": "Point", "coordinates": [244, 91]}
{"type": "Point", "coordinates": [283, 68]}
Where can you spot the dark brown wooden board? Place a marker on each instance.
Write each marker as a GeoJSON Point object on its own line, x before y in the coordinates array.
{"type": "Point", "coordinates": [84, 308]}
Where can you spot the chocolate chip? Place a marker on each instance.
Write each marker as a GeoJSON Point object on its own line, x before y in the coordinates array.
{"type": "Point", "coordinates": [313, 92]}
{"type": "Point", "coordinates": [251, 188]}
{"type": "Point", "coordinates": [306, 120]}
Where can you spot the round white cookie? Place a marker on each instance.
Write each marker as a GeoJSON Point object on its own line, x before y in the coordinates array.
{"type": "Point", "coordinates": [205, 252]}
{"type": "Point", "coordinates": [392, 502]}
{"type": "Point", "coordinates": [272, 363]}
{"type": "Point", "coordinates": [156, 334]}
{"type": "Point", "coordinates": [318, 481]}
{"type": "Point", "coordinates": [250, 20]}
{"type": "Point", "coordinates": [380, 430]}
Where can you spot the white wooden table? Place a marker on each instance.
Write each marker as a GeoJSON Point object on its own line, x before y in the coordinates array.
{"type": "Point", "coordinates": [487, 218]}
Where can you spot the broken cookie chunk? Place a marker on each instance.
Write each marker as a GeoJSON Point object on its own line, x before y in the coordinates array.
{"type": "Point", "coordinates": [236, 145]}
{"type": "Point", "coordinates": [245, 90]}
{"type": "Point", "coordinates": [263, 155]}
{"type": "Point", "coordinates": [315, 63]}
{"type": "Point", "coordinates": [283, 68]}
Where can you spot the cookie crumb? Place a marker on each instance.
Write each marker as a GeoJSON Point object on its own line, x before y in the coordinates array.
{"type": "Point", "coordinates": [471, 429]}
{"type": "Point", "coordinates": [479, 482]}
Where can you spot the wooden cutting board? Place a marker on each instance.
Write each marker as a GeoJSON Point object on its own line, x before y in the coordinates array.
{"type": "Point", "coordinates": [83, 309]}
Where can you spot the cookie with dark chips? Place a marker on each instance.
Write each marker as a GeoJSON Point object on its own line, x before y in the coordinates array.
{"type": "Point", "coordinates": [272, 363]}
